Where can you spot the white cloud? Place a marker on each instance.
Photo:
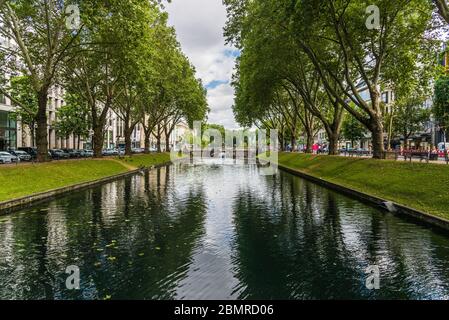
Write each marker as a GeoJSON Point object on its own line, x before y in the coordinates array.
{"type": "Point", "coordinates": [199, 26]}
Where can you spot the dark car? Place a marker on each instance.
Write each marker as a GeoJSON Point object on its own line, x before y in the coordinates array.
{"type": "Point", "coordinates": [22, 155]}
{"type": "Point", "coordinates": [58, 154]}
{"type": "Point", "coordinates": [72, 153]}
{"type": "Point", "coordinates": [30, 150]}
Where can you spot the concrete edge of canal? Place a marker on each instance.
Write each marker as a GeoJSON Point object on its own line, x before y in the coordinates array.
{"type": "Point", "coordinates": [10, 206]}
{"type": "Point", "coordinates": [386, 205]}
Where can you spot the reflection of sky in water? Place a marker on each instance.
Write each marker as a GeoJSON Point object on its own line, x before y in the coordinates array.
{"type": "Point", "coordinates": [217, 230]}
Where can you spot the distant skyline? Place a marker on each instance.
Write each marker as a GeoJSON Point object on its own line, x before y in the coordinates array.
{"type": "Point", "coordinates": [199, 27]}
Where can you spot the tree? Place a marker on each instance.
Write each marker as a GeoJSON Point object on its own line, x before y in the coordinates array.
{"type": "Point", "coordinates": [109, 48]}
{"type": "Point", "coordinates": [272, 62]}
{"type": "Point", "coordinates": [42, 42]}
{"type": "Point", "coordinates": [412, 88]}
{"type": "Point", "coordinates": [73, 119]}
{"type": "Point", "coordinates": [340, 26]}
{"type": "Point", "coordinates": [21, 88]}
{"type": "Point", "coordinates": [443, 9]}
{"type": "Point", "coordinates": [353, 130]}
{"type": "Point", "coordinates": [170, 92]}
{"type": "Point", "coordinates": [410, 118]}
{"type": "Point", "coordinates": [441, 103]}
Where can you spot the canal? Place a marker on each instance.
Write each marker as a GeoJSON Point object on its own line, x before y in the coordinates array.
{"type": "Point", "coordinates": [217, 231]}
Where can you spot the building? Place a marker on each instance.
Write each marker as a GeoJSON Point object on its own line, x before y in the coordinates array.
{"type": "Point", "coordinates": [8, 126]}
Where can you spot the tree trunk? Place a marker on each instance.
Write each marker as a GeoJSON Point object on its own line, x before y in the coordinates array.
{"type": "Point", "coordinates": [167, 139]}
{"type": "Point", "coordinates": [42, 129]}
{"type": "Point", "coordinates": [281, 142]}
{"type": "Point", "coordinates": [167, 146]}
{"type": "Point", "coordinates": [293, 138]}
{"type": "Point", "coordinates": [158, 139]}
{"type": "Point", "coordinates": [309, 143]}
{"type": "Point", "coordinates": [333, 144]}
{"type": "Point", "coordinates": [98, 140]}
{"type": "Point", "coordinates": [79, 142]}
{"type": "Point", "coordinates": [377, 133]}
{"type": "Point", "coordinates": [128, 133]}
{"type": "Point", "coordinates": [147, 140]}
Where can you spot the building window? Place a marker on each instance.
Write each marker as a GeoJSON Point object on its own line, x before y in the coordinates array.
{"type": "Point", "coordinates": [385, 97]}
{"type": "Point", "coordinates": [8, 131]}
{"type": "Point", "coordinates": [2, 99]}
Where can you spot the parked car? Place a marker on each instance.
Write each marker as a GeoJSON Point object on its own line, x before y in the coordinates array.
{"type": "Point", "coordinates": [110, 152]}
{"type": "Point", "coordinates": [58, 154]}
{"type": "Point", "coordinates": [138, 150]}
{"type": "Point", "coordinates": [5, 159]}
{"type": "Point", "coordinates": [22, 155]}
{"type": "Point", "coordinates": [72, 153]}
{"type": "Point", "coordinates": [84, 153]}
{"type": "Point", "coordinates": [8, 158]}
{"type": "Point", "coordinates": [31, 151]}
{"type": "Point", "coordinates": [89, 153]}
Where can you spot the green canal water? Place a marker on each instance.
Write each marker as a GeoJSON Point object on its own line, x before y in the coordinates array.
{"type": "Point", "coordinates": [217, 231]}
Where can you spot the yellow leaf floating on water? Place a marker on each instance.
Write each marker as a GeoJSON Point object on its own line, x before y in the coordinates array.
{"type": "Point", "coordinates": [107, 297]}
{"type": "Point", "coordinates": [158, 248]}
{"type": "Point", "coordinates": [112, 258]}
{"type": "Point", "coordinates": [141, 254]}
{"type": "Point", "coordinates": [97, 264]}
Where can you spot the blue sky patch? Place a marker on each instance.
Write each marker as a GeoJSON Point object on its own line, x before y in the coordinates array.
{"type": "Point", "coordinates": [232, 53]}
{"type": "Point", "coordinates": [216, 83]}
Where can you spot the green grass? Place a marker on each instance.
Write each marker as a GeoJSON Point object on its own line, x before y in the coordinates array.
{"type": "Point", "coordinates": [417, 185]}
{"type": "Point", "coordinates": [28, 179]}
{"type": "Point", "coordinates": [146, 160]}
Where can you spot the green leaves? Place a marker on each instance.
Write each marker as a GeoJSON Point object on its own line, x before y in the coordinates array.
{"type": "Point", "coordinates": [323, 52]}
{"type": "Point", "coordinates": [73, 118]}
{"type": "Point", "coordinates": [441, 101]}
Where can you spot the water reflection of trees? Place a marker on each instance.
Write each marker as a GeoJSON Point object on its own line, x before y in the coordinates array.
{"type": "Point", "coordinates": [131, 239]}
{"type": "Point", "coordinates": [300, 241]}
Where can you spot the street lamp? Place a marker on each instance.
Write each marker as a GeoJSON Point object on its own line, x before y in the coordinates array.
{"type": "Point", "coordinates": [91, 136]}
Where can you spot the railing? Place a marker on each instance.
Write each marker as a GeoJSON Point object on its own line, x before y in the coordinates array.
{"type": "Point", "coordinates": [426, 156]}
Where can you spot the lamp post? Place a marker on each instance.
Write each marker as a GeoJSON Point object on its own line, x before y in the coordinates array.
{"type": "Point", "coordinates": [91, 138]}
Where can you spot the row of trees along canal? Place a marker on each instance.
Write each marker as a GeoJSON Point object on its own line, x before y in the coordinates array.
{"type": "Point", "coordinates": [303, 64]}
{"type": "Point", "coordinates": [122, 57]}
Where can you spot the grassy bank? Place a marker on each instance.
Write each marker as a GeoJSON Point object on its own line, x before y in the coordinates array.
{"type": "Point", "coordinates": [147, 160]}
{"type": "Point", "coordinates": [27, 179]}
{"type": "Point", "coordinates": [420, 186]}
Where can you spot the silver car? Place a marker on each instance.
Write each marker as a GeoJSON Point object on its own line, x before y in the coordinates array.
{"type": "Point", "coordinates": [22, 155]}
{"type": "Point", "coordinates": [6, 157]}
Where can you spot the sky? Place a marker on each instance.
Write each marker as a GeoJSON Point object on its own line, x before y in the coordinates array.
{"type": "Point", "coordinates": [199, 27]}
